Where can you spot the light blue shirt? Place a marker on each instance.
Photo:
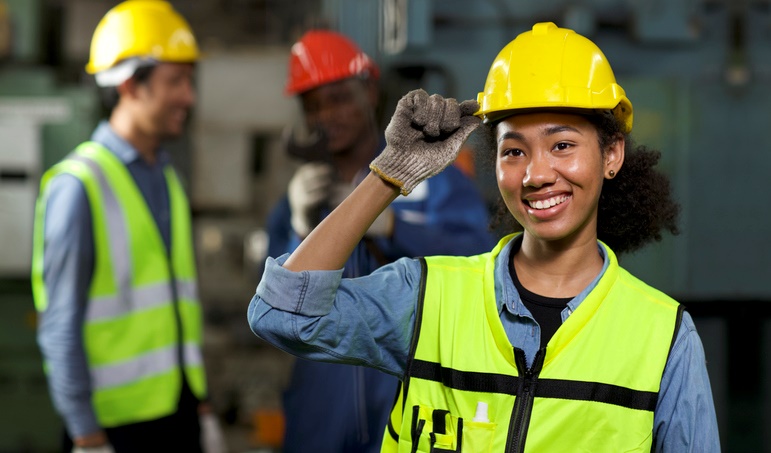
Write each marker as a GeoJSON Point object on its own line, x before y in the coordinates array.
{"type": "Point", "coordinates": [68, 266]}
{"type": "Point", "coordinates": [369, 321]}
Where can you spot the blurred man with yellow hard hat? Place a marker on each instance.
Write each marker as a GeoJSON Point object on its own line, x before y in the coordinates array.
{"type": "Point", "coordinates": [114, 274]}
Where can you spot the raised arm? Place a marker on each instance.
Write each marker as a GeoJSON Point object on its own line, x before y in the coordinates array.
{"type": "Point", "coordinates": [330, 244]}
{"type": "Point", "coordinates": [422, 139]}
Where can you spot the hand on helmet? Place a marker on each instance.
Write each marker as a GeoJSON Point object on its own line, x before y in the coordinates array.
{"type": "Point", "coordinates": [424, 137]}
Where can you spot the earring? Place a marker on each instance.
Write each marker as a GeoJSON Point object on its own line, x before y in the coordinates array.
{"type": "Point", "coordinates": [612, 174]}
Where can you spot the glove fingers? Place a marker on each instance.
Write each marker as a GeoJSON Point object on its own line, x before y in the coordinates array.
{"type": "Point", "coordinates": [467, 126]}
{"type": "Point", "coordinates": [451, 120]}
{"type": "Point", "coordinates": [316, 173]}
{"type": "Point", "coordinates": [469, 107]}
{"type": "Point", "coordinates": [419, 102]}
{"type": "Point", "coordinates": [318, 191]}
{"type": "Point", "coordinates": [316, 196]}
{"type": "Point", "coordinates": [442, 116]}
{"type": "Point", "coordinates": [423, 137]}
{"type": "Point", "coordinates": [317, 181]}
{"type": "Point", "coordinates": [435, 111]}
{"type": "Point", "coordinates": [467, 121]}
{"type": "Point", "coordinates": [409, 113]}
{"type": "Point", "coordinates": [313, 184]}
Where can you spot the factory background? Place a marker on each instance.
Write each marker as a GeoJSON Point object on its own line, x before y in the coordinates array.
{"type": "Point", "coordinates": [698, 73]}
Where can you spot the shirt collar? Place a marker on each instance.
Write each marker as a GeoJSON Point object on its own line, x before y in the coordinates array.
{"type": "Point", "coordinates": [105, 135]}
{"type": "Point", "coordinates": [506, 294]}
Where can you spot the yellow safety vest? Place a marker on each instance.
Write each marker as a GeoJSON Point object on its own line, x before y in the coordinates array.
{"type": "Point", "coordinates": [593, 388]}
{"type": "Point", "coordinates": [140, 295]}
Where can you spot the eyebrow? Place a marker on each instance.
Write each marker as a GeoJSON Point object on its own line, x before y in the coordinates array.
{"type": "Point", "coordinates": [549, 131]}
{"type": "Point", "coordinates": [562, 128]}
{"type": "Point", "coordinates": [511, 135]}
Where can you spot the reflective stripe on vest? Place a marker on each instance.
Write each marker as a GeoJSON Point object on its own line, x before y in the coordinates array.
{"type": "Point", "coordinates": [594, 389]}
{"type": "Point", "coordinates": [153, 363]}
{"type": "Point", "coordinates": [139, 295]}
{"type": "Point", "coordinates": [107, 307]}
{"type": "Point", "coordinates": [119, 248]}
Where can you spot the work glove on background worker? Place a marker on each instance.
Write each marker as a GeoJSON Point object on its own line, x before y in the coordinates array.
{"type": "Point", "coordinates": [212, 437]}
{"type": "Point", "coordinates": [313, 188]}
{"type": "Point", "coordinates": [424, 137]}
{"type": "Point", "coordinates": [107, 448]}
{"type": "Point", "coordinates": [308, 192]}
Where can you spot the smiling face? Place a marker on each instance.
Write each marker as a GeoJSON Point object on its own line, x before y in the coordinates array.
{"type": "Point", "coordinates": [343, 110]}
{"type": "Point", "coordinates": [550, 171]}
{"type": "Point", "coordinates": [164, 100]}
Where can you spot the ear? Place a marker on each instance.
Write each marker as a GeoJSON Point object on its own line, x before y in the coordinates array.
{"type": "Point", "coordinates": [127, 89]}
{"type": "Point", "coordinates": [614, 157]}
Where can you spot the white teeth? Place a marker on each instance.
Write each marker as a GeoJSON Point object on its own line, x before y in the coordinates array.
{"type": "Point", "coordinates": [546, 204]}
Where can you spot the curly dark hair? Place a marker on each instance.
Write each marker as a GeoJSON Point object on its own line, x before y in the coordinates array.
{"type": "Point", "coordinates": [635, 207]}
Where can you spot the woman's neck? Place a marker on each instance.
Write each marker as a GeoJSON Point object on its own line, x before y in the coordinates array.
{"type": "Point", "coordinates": [557, 270]}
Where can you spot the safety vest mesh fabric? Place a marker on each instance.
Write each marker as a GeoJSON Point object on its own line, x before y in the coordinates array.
{"type": "Point", "coordinates": [594, 389]}
{"type": "Point", "coordinates": [139, 296]}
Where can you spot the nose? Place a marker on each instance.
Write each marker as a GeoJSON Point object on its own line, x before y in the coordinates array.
{"type": "Point", "coordinates": [539, 172]}
{"type": "Point", "coordinates": [318, 114]}
{"type": "Point", "coordinates": [327, 112]}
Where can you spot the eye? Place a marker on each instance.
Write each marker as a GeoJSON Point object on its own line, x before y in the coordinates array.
{"type": "Point", "coordinates": [562, 146]}
{"type": "Point", "coordinates": [341, 97]}
{"type": "Point", "coordinates": [310, 108]}
{"type": "Point", "coordinates": [514, 152]}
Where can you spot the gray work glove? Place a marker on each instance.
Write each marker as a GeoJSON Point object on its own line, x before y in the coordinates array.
{"type": "Point", "coordinates": [424, 137]}
{"type": "Point", "coordinates": [309, 189]}
{"type": "Point", "coordinates": [107, 448]}
{"type": "Point", "coordinates": [212, 437]}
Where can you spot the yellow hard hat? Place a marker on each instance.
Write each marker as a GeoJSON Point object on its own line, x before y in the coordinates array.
{"type": "Point", "coordinates": [141, 28]}
{"type": "Point", "coordinates": [552, 67]}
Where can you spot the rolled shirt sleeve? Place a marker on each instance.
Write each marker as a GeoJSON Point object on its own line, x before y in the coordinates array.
{"type": "Point", "coordinates": [318, 315]}
{"type": "Point", "coordinates": [290, 291]}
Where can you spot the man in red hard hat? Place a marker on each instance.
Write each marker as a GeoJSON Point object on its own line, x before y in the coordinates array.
{"type": "Point", "coordinates": [344, 408]}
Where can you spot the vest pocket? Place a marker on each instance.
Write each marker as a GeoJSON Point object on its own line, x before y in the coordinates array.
{"type": "Point", "coordinates": [437, 431]}
{"type": "Point", "coordinates": [478, 436]}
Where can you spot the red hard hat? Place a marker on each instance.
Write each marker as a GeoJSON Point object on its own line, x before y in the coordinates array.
{"type": "Point", "coordinates": [323, 56]}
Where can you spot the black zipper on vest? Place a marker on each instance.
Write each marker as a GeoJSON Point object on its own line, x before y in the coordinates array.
{"type": "Point", "coordinates": [523, 405]}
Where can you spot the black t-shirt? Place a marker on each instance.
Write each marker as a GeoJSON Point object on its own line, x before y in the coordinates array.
{"type": "Point", "coordinates": [547, 311]}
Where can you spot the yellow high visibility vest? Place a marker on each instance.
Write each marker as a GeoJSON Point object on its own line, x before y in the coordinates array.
{"type": "Point", "coordinates": [594, 387]}
{"type": "Point", "coordinates": [140, 295]}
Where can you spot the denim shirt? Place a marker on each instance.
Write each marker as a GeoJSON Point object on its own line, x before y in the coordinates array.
{"type": "Point", "coordinates": [68, 266]}
{"type": "Point", "coordinates": [369, 321]}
